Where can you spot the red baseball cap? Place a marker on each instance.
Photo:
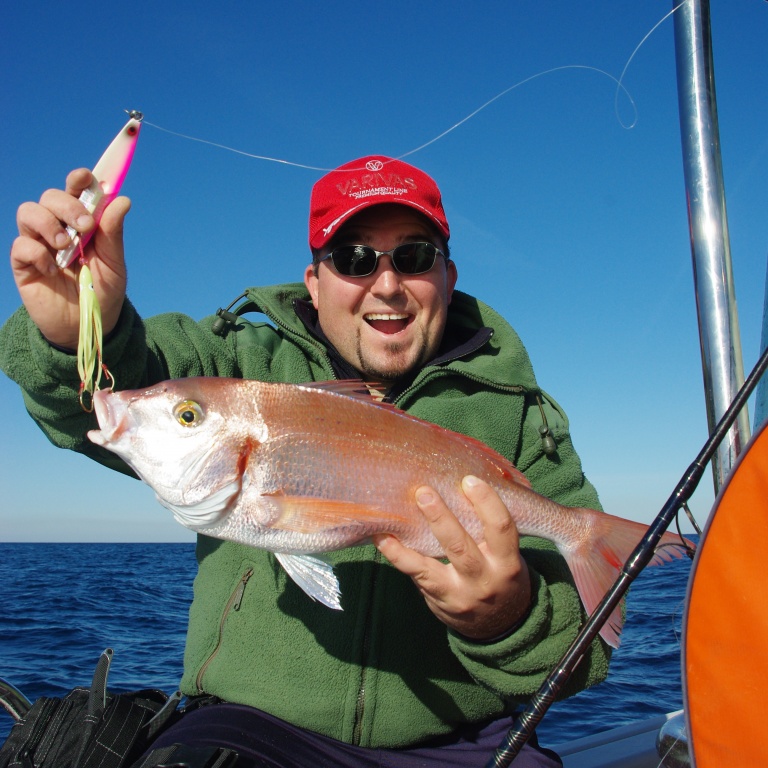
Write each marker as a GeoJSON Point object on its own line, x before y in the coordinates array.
{"type": "Point", "coordinates": [369, 181]}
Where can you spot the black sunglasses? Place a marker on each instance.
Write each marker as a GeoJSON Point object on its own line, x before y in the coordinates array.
{"type": "Point", "coordinates": [362, 260]}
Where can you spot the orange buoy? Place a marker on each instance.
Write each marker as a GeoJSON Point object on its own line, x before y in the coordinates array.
{"type": "Point", "coordinates": [725, 631]}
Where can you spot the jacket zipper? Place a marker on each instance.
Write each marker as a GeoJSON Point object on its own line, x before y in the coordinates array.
{"type": "Point", "coordinates": [233, 604]}
{"type": "Point", "coordinates": [357, 727]}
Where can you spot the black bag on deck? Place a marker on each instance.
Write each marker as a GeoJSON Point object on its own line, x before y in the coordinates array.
{"type": "Point", "coordinates": [89, 727]}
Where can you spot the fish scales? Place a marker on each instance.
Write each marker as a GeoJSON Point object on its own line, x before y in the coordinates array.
{"type": "Point", "coordinates": [301, 458]}
{"type": "Point", "coordinates": [394, 453]}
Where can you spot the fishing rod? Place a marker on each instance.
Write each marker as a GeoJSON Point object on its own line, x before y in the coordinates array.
{"type": "Point", "coordinates": [526, 722]}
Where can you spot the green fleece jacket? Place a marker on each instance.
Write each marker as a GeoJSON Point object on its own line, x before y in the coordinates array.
{"type": "Point", "coordinates": [384, 672]}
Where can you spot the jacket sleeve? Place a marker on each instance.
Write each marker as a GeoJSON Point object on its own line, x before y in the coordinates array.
{"type": "Point", "coordinates": [516, 665]}
{"type": "Point", "coordinates": [137, 354]}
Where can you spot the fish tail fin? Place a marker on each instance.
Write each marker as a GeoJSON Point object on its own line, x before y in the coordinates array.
{"type": "Point", "coordinates": [598, 560]}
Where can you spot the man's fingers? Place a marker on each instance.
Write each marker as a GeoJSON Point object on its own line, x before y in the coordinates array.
{"type": "Point", "coordinates": [457, 544]}
{"type": "Point", "coordinates": [426, 572]}
{"type": "Point", "coordinates": [30, 259]}
{"type": "Point", "coordinates": [77, 181]}
{"type": "Point", "coordinates": [485, 588]}
{"type": "Point", "coordinates": [404, 559]}
{"type": "Point", "coordinates": [500, 540]}
{"type": "Point", "coordinates": [501, 533]}
{"type": "Point", "coordinates": [46, 221]}
{"type": "Point", "coordinates": [111, 224]}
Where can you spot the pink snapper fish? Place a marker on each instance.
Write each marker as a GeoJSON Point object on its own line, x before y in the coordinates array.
{"type": "Point", "coordinates": [305, 469]}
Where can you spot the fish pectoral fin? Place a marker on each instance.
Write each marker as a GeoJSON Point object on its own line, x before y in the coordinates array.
{"type": "Point", "coordinates": [315, 576]}
{"type": "Point", "coordinates": [304, 514]}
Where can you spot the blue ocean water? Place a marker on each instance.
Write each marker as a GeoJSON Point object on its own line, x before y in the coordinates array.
{"type": "Point", "coordinates": [61, 605]}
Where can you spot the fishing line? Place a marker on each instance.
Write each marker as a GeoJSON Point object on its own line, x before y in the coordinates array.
{"type": "Point", "coordinates": [619, 88]}
{"type": "Point", "coordinates": [662, 761]}
{"type": "Point", "coordinates": [632, 56]}
{"type": "Point", "coordinates": [232, 149]}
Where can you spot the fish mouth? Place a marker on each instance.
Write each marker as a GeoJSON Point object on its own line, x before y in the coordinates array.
{"type": "Point", "coordinates": [388, 323]}
{"type": "Point", "coordinates": [112, 415]}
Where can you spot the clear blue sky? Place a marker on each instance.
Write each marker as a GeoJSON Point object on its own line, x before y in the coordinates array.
{"type": "Point", "coordinates": [571, 225]}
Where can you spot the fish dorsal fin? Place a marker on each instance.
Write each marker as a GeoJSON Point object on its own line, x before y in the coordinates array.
{"type": "Point", "coordinates": [369, 392]}
{"type": "Point", "coordinates": [356, 388]}
{"type": "Point", "coordinates": [506, 468]}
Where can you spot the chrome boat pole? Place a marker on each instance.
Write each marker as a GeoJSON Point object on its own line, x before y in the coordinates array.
{"type": "Point", "coordinates": [721, 357]}
{"type": "Point", "coordinates": [13, 701]}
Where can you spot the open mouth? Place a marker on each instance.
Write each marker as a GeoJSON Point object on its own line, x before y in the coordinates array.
{"type": "Point", "coordinates": [388, 322]}
{"type": "Point", "coordinates": [112, 416]}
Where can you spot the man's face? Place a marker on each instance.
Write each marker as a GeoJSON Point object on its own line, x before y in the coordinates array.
{"type": "Point", "coordinates": [385, 324]}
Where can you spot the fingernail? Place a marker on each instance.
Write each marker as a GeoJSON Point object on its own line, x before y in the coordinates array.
{"type": "Point", "coordinates": [84, 221]}
{"type": "Point", "coordinates": [471, 481]}
{"type": "Point", "coordinates": [424, 497]}
{"type": "Point", "coordinates": [61, 240]}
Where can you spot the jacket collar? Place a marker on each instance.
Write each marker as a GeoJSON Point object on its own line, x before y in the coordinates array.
{"type": "Point", "coordinates": [472, 326]}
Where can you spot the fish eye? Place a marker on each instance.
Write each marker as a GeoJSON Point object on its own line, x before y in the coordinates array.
{"type": "Point", "coordinates": [188, 413]}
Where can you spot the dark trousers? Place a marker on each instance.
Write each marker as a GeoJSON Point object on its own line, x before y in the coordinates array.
{"type": "Point", "coordinates": [263, 741]}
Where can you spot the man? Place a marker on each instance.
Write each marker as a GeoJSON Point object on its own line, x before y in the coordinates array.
{"type": "Point", "coordinates": [429, 657]}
